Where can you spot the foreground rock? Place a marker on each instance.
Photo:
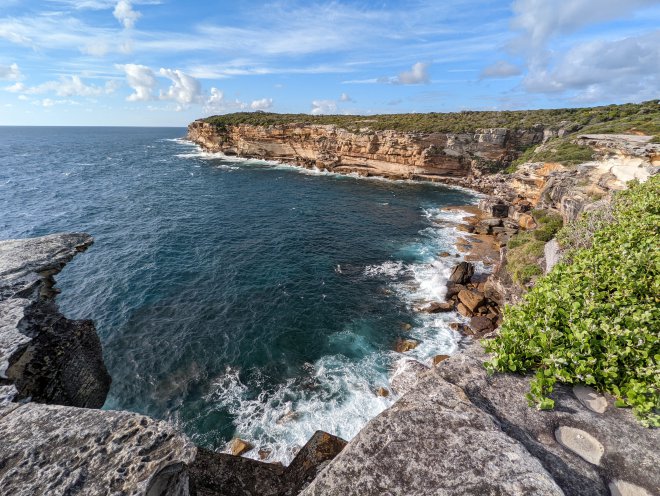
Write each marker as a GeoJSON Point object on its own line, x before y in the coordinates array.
{"type": "Point", "coordinates": [219, 474]}
{"type": "Point", "coordinates": [43, 355]}
{"type": "Point", "coordinates": [462, 431]}
{"type": "Point", "coordinates": [50, 449]}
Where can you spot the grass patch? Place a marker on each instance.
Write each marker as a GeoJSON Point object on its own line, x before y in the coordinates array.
{"type": "Point", "coordinates": [525, 249]}
{"type": "Point", "coordinates": [522, 257]}
{"type": "Point", "coordinates": [549, 223]}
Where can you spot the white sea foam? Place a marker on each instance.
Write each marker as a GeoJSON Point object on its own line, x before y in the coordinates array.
{"type": "Point", "coordinates": [336, 396]}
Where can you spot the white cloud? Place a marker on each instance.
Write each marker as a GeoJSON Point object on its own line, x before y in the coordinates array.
{"type": "Point", "coordinates": [501, 69]}
{"type": "Point", "coordinates": [216, 103]}
{"type": "Point", "coordinates": [263, 104]}
{"type": "Point", "coordinates": [611, 69]}
{"type": "Point", "coordinates": [65, 86]}
{"type": "Point", "coordinates": [418, 74]}
{"type": "Point", "coordinates": [627, 69]}
{"type": "Point", "coordinates": [10, 72]}
{"type": "Point", "coordinates": [345, 98]}
{"type": "Point", "coordinates": [540, 20]}
{"type": "Point", "coordinates": [141, 79]}
{"type": "Point", "coordinates": [125, 14]}
{"type": "Point", "coordinates": [184, 89]}
{"type": "Point", "coordinates": [48, 102]}
{"type": "Point", "coordinates": [23, 98]}
{"type": "Point", "coordinates": [324, 107]}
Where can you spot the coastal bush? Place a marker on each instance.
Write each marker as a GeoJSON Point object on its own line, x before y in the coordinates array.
{"type": "Point", "coordinates": [596, 320]}
{"type": "Point", "coordinates": [524, 252]}
{"type": "Point", "coordinates": [525, 249]}
{"type": "Point", "coordinates": [643, 117]}
{"type": "Point", "coordinates": [549, 223]}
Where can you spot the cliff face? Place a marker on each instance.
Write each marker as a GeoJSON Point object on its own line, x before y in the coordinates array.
{"type": "Point", "coordinates": [392, 154]}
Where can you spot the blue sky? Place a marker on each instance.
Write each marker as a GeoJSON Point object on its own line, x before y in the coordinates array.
{"type": "Point", "coordinates": [167, 62]}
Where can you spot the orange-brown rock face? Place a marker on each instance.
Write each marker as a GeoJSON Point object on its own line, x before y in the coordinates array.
{"type": "Point", "coordinates": [390, 154]}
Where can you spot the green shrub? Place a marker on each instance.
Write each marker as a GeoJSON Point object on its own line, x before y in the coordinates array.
{"type": "Point", "coordinates": [560, 150]}
{"type": "Point", "coordinates": [549, 223]}
{"type": "Point", "coordinates": [522, 257]}
{"type": "Point", "coordinates": [596, 320]}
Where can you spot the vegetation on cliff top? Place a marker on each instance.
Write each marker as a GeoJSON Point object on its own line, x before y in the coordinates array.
{"type": "Point", "coordinates": [596, 319]}
{"type": "Point", "coordinates": [643, 117]}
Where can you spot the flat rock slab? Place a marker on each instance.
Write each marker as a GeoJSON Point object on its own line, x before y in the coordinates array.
{"type": "Point", "coordinates": [56, 450]}
{"type": "Point", "coordinates": [581, 443]}
{"type": "Point", "coordinates": [590, 398]}
{"type": "Point", "coordinates": [622, 488]}
{"type": "Point", "coordinates": [44, 355]}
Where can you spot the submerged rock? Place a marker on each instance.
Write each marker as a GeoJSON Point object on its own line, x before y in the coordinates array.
{"type": "Point", "coordinates": [404, 345]}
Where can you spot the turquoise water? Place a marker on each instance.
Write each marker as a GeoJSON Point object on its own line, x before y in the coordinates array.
{"type": "Point", "coordinates": [235, 297]}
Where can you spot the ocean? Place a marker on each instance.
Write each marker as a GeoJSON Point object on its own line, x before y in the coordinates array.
{"type": "Point", "coordinates": [236, 297]}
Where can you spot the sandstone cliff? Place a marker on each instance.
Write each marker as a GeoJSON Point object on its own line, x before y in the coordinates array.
{"type": "Point", "coordinates": [391, 154]}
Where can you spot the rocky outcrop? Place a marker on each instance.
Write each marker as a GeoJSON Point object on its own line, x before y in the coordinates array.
{"type": "Point", "coordinates": [392, 154]}
{"type": "Point", "coordinates": [570, 190]}
{"type": "Point", "coordinates": [219, 474]}
{"type": "Point", "coordinates": [43, 355]}
{"type": "Point", "coordinates": [463, 431]}
{"type": "Point", "coordinates": [51, 449]}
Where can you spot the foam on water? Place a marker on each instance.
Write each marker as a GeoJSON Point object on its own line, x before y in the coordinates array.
{"type": "Point", "coordinates": [336, 395]}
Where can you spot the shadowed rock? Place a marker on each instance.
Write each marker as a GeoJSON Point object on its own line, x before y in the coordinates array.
{"type": "Point", "coordinates": [220, 474]}
{"type": "Point", "coordinates": [462, 273]}
{"type": "Point", "coordinates": [44, 355]}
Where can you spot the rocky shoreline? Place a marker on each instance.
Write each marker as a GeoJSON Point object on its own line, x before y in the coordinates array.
{"type": "Point", "coordinates": [455, 430]}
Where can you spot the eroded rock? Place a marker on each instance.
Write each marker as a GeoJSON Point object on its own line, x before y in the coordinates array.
{"type": "Point", "coordinates": [462, 273]}
{"type": "Point", "coordinates": [580, 442]}
{"type": "Point", "coordinates": [52, 449]}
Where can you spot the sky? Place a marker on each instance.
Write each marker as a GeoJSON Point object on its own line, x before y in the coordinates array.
{"type": "Point", "coordinates": [168, 62]}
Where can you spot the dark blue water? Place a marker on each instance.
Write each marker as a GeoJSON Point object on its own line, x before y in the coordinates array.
{"type": "Point", "coordinates": [234, 297]}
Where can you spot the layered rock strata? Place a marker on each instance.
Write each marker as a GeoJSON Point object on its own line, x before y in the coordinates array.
{"type": "Point", "coordinates": [391, 154]}
{"type": "Point", "coordinates": [618, 158]}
